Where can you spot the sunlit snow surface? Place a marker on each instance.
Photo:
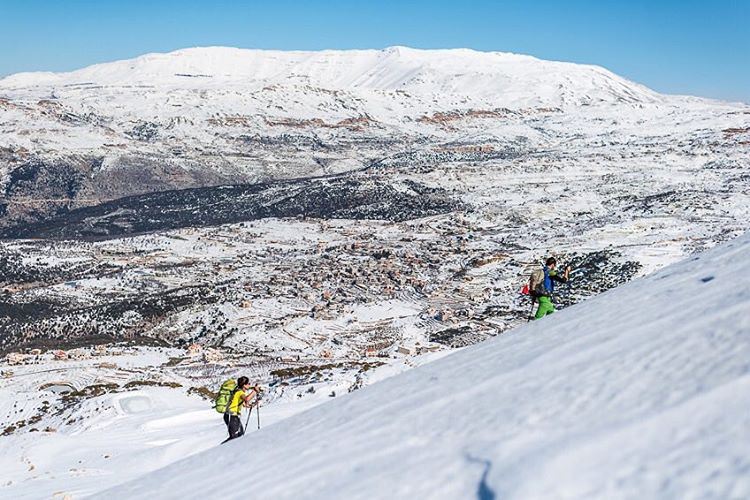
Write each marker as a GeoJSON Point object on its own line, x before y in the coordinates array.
{"type": "Point", "coordinates": [641, 392]}
{"type": "Point", "coordinates": [101, 441]}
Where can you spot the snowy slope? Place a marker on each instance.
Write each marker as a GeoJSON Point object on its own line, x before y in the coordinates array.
{"type": "Point", "coordinates": [130, 414]}
{"type": "Point", "coordinates": [641, 392]}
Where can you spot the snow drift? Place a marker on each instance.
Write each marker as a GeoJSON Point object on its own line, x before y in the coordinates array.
{"type": "Point", "coordinates": [641, 392]}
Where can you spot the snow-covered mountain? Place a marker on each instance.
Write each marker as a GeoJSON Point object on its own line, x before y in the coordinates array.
{"type": "Point", "coordinates": [502, 79]}
{"type": "Point", "coordinates": [208, 116]}
{"type": "Point", "coordinates": [642, 392]}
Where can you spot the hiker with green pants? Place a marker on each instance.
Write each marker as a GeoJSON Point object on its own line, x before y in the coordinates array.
{"type": "Point", "coordinates": [543, 286]}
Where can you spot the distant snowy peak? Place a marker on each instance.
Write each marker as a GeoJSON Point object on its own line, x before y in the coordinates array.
{"type": "Point", "coordinates": [508, 79]}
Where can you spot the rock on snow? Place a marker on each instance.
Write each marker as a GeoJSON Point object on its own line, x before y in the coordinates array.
{"type": "Point", "coordinates": [640, 392]}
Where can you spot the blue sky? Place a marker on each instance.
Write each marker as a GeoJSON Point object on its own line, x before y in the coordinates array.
{"type": "Point", "coordinates": [687, 47]}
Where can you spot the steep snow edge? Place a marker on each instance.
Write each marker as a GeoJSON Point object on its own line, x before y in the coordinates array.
{"type": "Point", "coordinates": [643, 391]}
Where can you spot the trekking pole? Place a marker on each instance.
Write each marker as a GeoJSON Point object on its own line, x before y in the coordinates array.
{"type": "Point", "coordinates": [247, 420]}
{"type": "Point", "coordinates": [257, 411]}
{"type": "Point", "coordinates": [531, 312]}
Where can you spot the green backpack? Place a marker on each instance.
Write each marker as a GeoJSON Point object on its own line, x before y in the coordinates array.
{"type": "Point", "coordinates": [223, 399]}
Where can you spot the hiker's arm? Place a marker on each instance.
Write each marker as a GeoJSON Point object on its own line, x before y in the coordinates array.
{"type": "Point", "coordinates": [561, 278]}
{"type": "Point", "coordinates": [247, 398]}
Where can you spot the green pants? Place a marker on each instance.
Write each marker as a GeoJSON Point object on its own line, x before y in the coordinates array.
{"type": "Point", "coordinates": [545, 307]}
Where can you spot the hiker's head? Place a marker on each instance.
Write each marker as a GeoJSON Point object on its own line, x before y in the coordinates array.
{"type": "Point", "coordinates": [243, 382]}
{"type": "Point", "coordinates": [551, 263]}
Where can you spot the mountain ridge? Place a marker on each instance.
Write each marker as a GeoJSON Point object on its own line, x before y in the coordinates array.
{"type": "Point", "coordinates": [24, 78]}
{"type": "Point", "coordinates": [164, 122]}
{"type": "Point", "coordinates": [366, 67]}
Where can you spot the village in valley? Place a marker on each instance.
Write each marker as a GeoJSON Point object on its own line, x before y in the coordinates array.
{"type": "Point", "coordinates": [294, 303]}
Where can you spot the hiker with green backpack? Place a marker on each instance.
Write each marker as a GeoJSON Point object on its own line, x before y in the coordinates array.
{"type": "Point", "coordinates": [233, 397]}
{"type": "Point", "coordinates": [542, 285]}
